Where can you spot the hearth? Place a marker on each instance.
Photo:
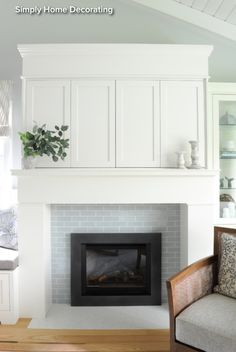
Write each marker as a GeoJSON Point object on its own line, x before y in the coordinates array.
{"type": "Point", "coordinates": [115, 269]}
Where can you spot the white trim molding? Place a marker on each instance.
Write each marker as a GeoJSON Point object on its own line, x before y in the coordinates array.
{"type": "Point", "coordinates": [117, 60]}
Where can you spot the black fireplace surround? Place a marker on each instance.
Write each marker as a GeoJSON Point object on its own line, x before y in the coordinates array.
{"type": "Point", "coordinates": [115, 269]}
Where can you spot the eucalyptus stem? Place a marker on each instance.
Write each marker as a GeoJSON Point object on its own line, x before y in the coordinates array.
{"type": "Point", "coordinates": [42, 141]}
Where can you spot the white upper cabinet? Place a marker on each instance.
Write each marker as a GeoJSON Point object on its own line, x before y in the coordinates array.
{"type": "Point", "coordinates": [182, 119]}
{"type": "Point", "coordinates": [137, 124]}
{"type": "Point", "coordinates": [48, 102]}
{"type": "Point", "coordinates": [93, 123]}
{"type": "Point", "coordinates": [127, 105]}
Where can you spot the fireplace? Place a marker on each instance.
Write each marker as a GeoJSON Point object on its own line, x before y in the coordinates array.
{"type": "Point", "coordinates": [85, 187]}
{"type": "Point", "coordinates": [115, 269]}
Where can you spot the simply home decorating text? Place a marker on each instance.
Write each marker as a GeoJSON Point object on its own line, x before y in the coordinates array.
{"type": "Point", "coordinates": [47, 10]}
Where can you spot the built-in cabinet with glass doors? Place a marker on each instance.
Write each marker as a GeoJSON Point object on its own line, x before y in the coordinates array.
{"type": "Point", "coordinates": [222, 108]}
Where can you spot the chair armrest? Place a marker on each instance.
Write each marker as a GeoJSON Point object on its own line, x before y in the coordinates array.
{"type": "Point", "coordinates": [190, 284]}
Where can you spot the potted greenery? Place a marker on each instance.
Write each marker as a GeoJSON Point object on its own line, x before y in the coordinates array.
{"type": "Point", "coordinates": [41, 142]}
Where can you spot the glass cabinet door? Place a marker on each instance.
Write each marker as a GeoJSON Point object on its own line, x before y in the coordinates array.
{"type": "Point", "coordinates": [227, 155]}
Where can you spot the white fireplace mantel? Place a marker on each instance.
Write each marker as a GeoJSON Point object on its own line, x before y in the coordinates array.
{"type": "Point", "coordinates": [127, 185]}
{"type": "Point", "coordinates": [195, 190]}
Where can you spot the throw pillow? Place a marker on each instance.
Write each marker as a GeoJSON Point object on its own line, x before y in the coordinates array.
{"type": "Point", "coordinates": [8, 233]}
{"type": "Point", "coordinates": [227, 269]}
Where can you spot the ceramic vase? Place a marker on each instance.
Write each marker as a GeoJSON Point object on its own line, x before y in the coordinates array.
{"type": "Point", "coordinates": [194, 155]}
{"type": "Point", "coordinates": [181, 161]}
{"type": "Point", "coordinates": [29, 162]}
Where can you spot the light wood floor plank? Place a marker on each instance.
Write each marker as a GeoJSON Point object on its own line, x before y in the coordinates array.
{"type": "Point", "coordinates": [19, 338]}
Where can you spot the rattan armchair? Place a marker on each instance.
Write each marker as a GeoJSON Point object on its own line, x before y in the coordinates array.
{"type": "Point", "coordinates": [191, 284]}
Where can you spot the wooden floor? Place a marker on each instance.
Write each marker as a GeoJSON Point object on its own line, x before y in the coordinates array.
{"type": "Point", "coordinates": [19, 338]}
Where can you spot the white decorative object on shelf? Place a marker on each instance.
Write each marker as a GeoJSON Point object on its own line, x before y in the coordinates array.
{"type": "Point", "coordinates": [181, 161]}
{"type": "Point", "coordinates": [230, 180]}
{"type": "Point", "coordinates": [231, 207]}
{"type": "Point", "coordinates": [29, 162]}
{"type": "Point", "coordinates": [226, 212]}
{"type": "Point", "coordinates": [194, 155]}
{"type": "Point", "coordinates": [227, 119]}
{"type": "Point", "coordinates": [229, 145]}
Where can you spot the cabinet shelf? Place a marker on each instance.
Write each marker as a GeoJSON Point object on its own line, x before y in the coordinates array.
{"type": "Point", "coordinates": [233, 188]}
{"type": "Point", "coordinates": [227, 124]}
{"type": "Point", "coordinates": [228, 154]}
{"type": "Point", "coordinates": [228, 157]}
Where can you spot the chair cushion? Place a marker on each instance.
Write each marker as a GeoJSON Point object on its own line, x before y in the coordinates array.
{"type": "Point", "coordinates": [227, 271]}
{"type": "Point", "coordinates": [209, 324]}
{"type": "Point", "coordinates": [8, 259]}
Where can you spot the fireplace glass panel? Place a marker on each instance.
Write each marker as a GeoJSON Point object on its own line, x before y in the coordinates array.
{"type": "Point", "coordinates": [116, 269]}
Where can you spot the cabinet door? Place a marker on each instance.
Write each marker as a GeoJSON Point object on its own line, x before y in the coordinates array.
{"type": "Point", "coordinates": [4, 291]}
{"type": "Point", "coordinates": [224, 112]}
{"type": "Point", "coordinates": [93, 123]}
{"type": "Point", "coordinates": [137, 124]}
{"type": "Point", "coordinates": [48, 101]}
{"type": "Point", "coordinates": [182, 119]}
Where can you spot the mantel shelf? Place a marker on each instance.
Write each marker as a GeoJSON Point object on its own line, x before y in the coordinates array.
{"type": "Point", "coordinates": [134, 172]}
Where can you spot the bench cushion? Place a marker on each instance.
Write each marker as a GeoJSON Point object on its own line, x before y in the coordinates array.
{"type": "Point", "coordinates": [209, 324]}
{"type": "Point", "coordinates": [8, 259]}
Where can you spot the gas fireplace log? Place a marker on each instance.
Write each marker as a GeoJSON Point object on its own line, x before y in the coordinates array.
{"type": "Point", "coordinates": [110, 276]}
{"type": "Point", "coordinates": [116, 276]}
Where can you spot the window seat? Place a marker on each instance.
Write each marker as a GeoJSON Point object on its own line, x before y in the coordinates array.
{"type": "Point", "coordinates": [8, 259]}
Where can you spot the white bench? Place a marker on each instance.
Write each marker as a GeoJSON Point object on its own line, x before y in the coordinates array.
{"type": "Point", "coordinates": [9, 306]}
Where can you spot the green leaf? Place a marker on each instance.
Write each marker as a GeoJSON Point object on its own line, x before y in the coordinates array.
{"type": "Point", "coordinates": [55, 158]}
{"type": "Point", "coordinates": [45, 142]}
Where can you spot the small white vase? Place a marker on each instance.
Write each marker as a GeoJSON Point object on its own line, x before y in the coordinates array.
{"type": "Point", "coordinates": [181, 161]}
{"type": "Point", "coordinates": [29, 162]}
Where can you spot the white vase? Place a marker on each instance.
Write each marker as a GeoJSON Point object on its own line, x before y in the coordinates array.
{"type": "Point", "coordinates": [181, 161]}
{"type": "Point", "coordinates": [194, 155]}
{"type": "Point", "coordinates": [29, 162]}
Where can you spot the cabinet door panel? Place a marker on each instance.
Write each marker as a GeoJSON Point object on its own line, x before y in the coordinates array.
{"type": "Point", "coordinates": [48, 102]}
{"type": "Point", "coordinates": [93, 123]}
{"type": "Point", "coordinates": [182, 119]}
{"type": "Point", "coordinates": [4, 292]}
{"type": "Point", "coordinates": [137, 124]}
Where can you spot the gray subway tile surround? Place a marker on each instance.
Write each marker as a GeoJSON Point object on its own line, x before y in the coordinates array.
{"type": "Point", "coordinates": [67, 219]}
